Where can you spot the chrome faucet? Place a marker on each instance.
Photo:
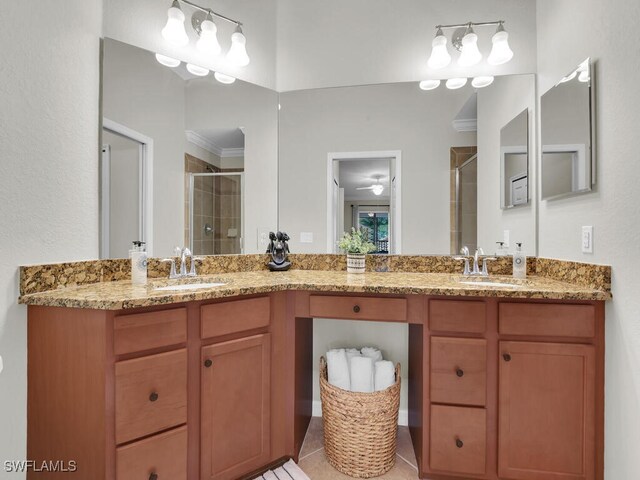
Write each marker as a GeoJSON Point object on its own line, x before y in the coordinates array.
{"type": "Point", "coordinates": [476, 270]}
{"type": "Point", "coordinates": [183, 254]}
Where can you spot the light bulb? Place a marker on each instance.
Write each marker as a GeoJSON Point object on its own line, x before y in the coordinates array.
{"type": "Point", "coordinates": [470, 55]}
{"type": "Point", "coordinates": [197, 70]}
{"type": "Point", "coordinates": [167, 61]}
{"type": "Point", "coordinates": [455, 83]}
{"type": "Point", "coordinates": [429, 84]}
{"type": "Point", "coordinates": [237, 54]}
{"type": "Point", "coordinates": [208, 41]}
{"type": "Point", "coordinates": [440, 57]}
{"type": "Point", "coordinates": [222, 78]}
{"type": "Point", "coordinates": [377, 189]}
{"type": "Point", "coordinates": [481, 82]}
{"type": "Point", "coordinates": [174, 32]}
{"type": "Point", "coordinates": [500, 52]}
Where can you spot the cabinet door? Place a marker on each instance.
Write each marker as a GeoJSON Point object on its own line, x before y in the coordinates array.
{"type": "Point", "coordinates": [546, 412]}
{"type": "Point", "coordinates": [235, 407]}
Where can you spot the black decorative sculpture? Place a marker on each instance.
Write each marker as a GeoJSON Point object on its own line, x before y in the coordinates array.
{"type": "Point", "coordinates": [279, 251]}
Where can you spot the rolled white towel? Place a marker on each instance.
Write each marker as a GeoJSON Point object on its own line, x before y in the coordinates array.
{"type": "Point", "coordinates": [270, 476]}
{"type": "Point", "coordinates": [352, 352]}
{"type": "Point", "coordinates": [362, 374]}
{"type": "Point", "coordinates": [385, 375]}
{"type": "Point", "coordinates": [372, 353]}
{"type": "Point", "coordinates": [282, 474]}
{"type": "Point", "coordinates": [338, 369]}
{"type": "Point", "coordinates": [295, 471]}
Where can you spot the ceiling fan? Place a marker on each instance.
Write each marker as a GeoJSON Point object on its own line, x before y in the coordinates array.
{"type": "Point", "coordinates": [376, 188]}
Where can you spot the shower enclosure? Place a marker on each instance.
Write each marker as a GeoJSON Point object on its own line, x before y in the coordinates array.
{"type": "Point", "coordinates": [215, 213]}
{"type": "Point", "coordinates": [466, 202]}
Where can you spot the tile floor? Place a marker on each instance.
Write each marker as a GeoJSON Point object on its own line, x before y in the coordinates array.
{"type": "Point", "coordinates": [316, 466]}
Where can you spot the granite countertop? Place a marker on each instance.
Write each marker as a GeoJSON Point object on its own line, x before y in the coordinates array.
{"type": "Point", "coordinates": [117, 295]}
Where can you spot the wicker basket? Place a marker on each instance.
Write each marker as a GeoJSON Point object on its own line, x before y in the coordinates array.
{"type": "Point", "coordinates": [360, 429]}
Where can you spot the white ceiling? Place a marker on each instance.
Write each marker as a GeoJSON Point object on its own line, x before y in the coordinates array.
{"type": "Point", "coordinates": [363, 173]}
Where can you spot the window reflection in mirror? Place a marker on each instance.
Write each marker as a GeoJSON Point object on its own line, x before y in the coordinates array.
{"type": "Point", "coordinates": [514, 161]}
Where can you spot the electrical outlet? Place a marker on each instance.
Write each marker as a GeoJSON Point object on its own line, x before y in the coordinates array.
{"type": "Point", "coordinates": [505, 238]}
{"type": "Point", "coordinates": [306, 237]}
{"type": "Point", "coordinates": [263, 239]}
{"type": "Point", "coordinates": [587, 239]}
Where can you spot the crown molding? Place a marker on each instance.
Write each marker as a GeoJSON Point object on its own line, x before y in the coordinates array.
{"type": "Point", "coordinates": [465, 125]}
{"type": "Point", "coordinates": [210, 146]}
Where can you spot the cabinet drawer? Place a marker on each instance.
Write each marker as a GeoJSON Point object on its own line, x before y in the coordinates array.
{"type": "Point", "coordinates": [143, 331]}
{"type": "Point", "coordinates": [164, 454]}
{"type": "Point", "coordinates": [457, 316]}
{"type": "Point", "coordinates": [552, 320]}
{"type": "Point", "coordinates": [458, 370]}
{"type": "Point", "coordinates": [358, 308]}
{"type": "Point", "coordinates": [151, 394]}
{"type": "Point", "coordinates": [231, 317]}
{"type": "Point", "coordinates": [458, 439]}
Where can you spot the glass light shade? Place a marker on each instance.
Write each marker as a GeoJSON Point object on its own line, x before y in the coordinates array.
{"type": "Point", "coordinates": [237, 54]}
{"type": "Point", "coordinates": [440, 57]}
{"type": "Point", "coordinates": [429, 84]}
{"type": "Point", "coordinates": [222, 78]}
{"type": "Point", "coordinates": [197, 70]}
{"type": "Point", "coordinates": [167, 61]}
{"type": "Point", "coordinates": [455, 83]}
{"type": "Point", "coordinates": [470, 55]}
{"type": "Point", "coordinates": [174, 31]}
{"type": "Point", "coordinates": [208, 41]}
{"type": "Point", "coordinates": [481, 82]}
{"type": "Point", "coordinates": [377, 189]}
{"type": "Point", "coordinates": [583, 77]}
{"type": "Point", "coordinates": [569, 77]}
{"type": "Point", "coordinates": [500, 52]}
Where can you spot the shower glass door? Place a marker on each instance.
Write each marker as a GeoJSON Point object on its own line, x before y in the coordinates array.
{"type": "Point", "coordinates": [216, 202]}
{"type": "Point", "coordinates": [467, 205]}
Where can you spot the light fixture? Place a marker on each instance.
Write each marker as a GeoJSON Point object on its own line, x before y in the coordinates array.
{"type": "Point", "coordinates": [584, 77]}
{"type": "Point", "coordinates": [470, 54]}
{"type": "Point", "coordinates": [481, 82]}
{"type": "Point", "coordinates": [208, 41]}
{"type": "Point", "coordinates": [569, 77]}
{"type": "Point", "coordinates": [377, 189]}
{"type": "Point", "coordinates": [429, 84]}
{"type": "Point", "coordinates": [197, 70]}
{"type": "Point", "coordinates": [222, 78]}
{"type": "Point", "coordinates": [440, 57]}
{"type": "Point", "coordinates": [167, 61]}
{"type": "Point", "coordinates": [500, 52]}
{"type": "Point", "coordinates": [456, 83]}
{"type": "Point", "coordinates": [237, 54]}
{"type": "Point", "coordinates": [583, 72]}
{"type": "Point", "coordinates": [174, 31]}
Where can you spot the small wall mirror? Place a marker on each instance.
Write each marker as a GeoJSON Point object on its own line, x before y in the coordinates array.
{"type": "Point", "coordinates": [568, 154]}
{"type": "Point", "coordinates": [514, 161]}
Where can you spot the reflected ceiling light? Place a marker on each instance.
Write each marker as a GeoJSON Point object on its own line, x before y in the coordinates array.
{"type": "Point", "coordinates": [429, 84]}
{"type": "Point", "coordinates": [174, 31]}
{"type": "Point", "coordinates": [500, 52]}
{"type": "Point", "coordinates": [583, 72]}
{"type": "Point", "coordinates": [222, 78]}
{"type": "Point", "coordinates": [481, 82]}
{"type": "Point", "coordinates": [470, 54]}
{"type": "Point", "coordinates": [197, 70]}
{"type": "Point", "coordinates": [377, 189]}
{"type": "Point", "coordinates": [208, 41]}
{"type": "Point", "coordinates": [569, 77]}
{"type": "Point", "coordinates": [237, 54]}
{"type": "Point", "coordinates": [167, 61]}
{"type": "Point", "coordinates": [440, 57]}
{"type": "Point", "coordinates": [455, 83]}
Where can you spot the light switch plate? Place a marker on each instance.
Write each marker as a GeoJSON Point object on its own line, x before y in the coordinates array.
{"type": "Point", "coordinates": [587, 239]}
{"type": "Point", "coordinates": [306, 237]}
{"type": "Point", "coordinates": [1, 365]}
{"type": "Point", "coordinates": [505, 238]}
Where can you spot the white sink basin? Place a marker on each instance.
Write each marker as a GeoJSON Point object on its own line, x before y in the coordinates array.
{"type": "Point", "coordinates": [188, 286]}
{"type": "Point", "coordinates": [490, 283]}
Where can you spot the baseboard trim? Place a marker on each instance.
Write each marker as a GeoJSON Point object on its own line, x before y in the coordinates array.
{"type": "Point", "coordinates": [403, 415]}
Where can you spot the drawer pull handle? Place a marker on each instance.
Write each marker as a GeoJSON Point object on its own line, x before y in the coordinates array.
{"type": "Point", "coordinates": [153, 476]}
{"type": "Point", "coordinates": [507, 357]}
{"type": "Point", "coordinates": [459, 443]}
{"type": "Point", "coordinates": [356, 308]}
{"type": "Point", "coordinates": [153, 397]}
{"type": "Point", "coordinates": [208, 362]}
{"type": "Point", "coordinates": [459, 372]}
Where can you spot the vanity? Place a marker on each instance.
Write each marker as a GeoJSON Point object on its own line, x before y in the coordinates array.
{"type": "Point", "coordinates": [133, 383]}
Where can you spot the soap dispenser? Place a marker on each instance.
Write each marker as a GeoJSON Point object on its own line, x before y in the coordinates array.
{"type": "Point", "coordinates": [500, 249]}
{"type": "Point", "coordinates": [138, 255]}
{"type": "Point", "coordinates": [519, 262]}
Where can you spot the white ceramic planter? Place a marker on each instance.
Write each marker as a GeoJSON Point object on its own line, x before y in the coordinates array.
{"type": "Point", "coordinates": [355, 262]}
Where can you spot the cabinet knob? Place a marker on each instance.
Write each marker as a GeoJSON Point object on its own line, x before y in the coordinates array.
{"type": "Point", "coordinates": [153, 397]}
{"type": "Point", "coordinates": [153, 476]}
{"type": "Point", "coordinates": [507, 357]}
{"type": "Point", "coordinates": [459, 443]}
{"type": "Point", "coordinates": [208, 362]}
{"type": "Point", "coordinates": [356, 308]}
{"type": "Point", "coordinates": [459, 372]}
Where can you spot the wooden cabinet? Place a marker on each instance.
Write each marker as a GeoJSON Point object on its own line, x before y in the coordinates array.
{"type": "Point", "coordinates": [235, 407]}
{"type": "Point", "coordinates": [546, 411]}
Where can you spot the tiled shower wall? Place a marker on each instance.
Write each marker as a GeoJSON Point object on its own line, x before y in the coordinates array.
{"type": "Point", "coordinates": [467, 234]}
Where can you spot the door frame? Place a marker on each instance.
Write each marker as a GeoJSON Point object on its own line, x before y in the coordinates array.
{"type": "Point", "coordinates": [145, 192]}
{"type": "Point", "coordinates": [395, 157]}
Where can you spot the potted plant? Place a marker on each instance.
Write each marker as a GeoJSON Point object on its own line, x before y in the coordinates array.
{"type": "Point", "coordinates": [356, 244]}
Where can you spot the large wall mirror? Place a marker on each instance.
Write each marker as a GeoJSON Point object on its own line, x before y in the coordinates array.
{"type": "Point", "coordinates": [188, 158]}
{"type": "Point", "coordinates": [421, 170]}
{"type": "Point", "coordinates": [568, 154]}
